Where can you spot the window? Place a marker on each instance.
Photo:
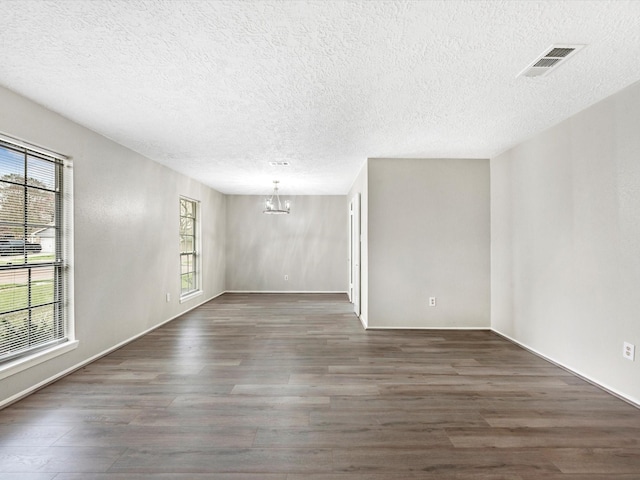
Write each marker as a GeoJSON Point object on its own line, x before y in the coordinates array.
{"type": "Point", "coordinates": [31, 252]}
{"type": "Point", "coordinates": [189, 238]}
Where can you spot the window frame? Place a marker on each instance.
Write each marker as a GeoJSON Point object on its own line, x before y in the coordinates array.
{"type": "Point", "coordinates": [62, 286]}
{"type": "Point", "coordinates": [190, 256]}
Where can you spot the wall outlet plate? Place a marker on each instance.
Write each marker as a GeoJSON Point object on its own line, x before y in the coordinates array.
{"type": "Point", "coordinates": [629, 351]}
{"type": "Point", "coordinates": [432, 301]}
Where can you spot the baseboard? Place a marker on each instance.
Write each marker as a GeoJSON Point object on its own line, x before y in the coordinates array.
{"type": "Point", "coordinates": [610, 390]}
{"type": "Point", "coordinates": [286, 291]}
{"type": "Point", "coordinates": [428, 328]}
{"type": "Point", "coordinates": [20, 395]}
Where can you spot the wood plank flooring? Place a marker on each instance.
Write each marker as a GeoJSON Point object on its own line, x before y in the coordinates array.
{"type": "Point", "coordinates": [290, 387]}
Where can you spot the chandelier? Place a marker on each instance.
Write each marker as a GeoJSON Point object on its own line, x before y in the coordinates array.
{"type": "Point", "coordinates": [273, 205]}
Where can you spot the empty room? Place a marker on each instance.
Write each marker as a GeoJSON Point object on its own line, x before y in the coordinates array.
{"type": "Point", "coordinates": [319, 240]}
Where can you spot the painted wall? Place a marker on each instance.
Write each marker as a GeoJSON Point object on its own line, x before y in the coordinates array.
{"type": "Point", "coordinates": [310, 245]}
{"type": "Point", "coordinates": [565, 229]}
{"type": "Point", "coordinates": [125, 236]}
{"type": "Point", "coordinates": [428, 235]}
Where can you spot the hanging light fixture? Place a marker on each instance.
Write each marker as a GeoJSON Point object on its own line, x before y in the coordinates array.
{"type": "Point", "coordinates": [273, 205]}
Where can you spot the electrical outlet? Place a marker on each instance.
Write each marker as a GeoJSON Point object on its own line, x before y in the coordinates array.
{"type": "Point", "coordinates": [629, 351]}
{"type": "Point", "coordinates": [168, 297]}
{"type": "Point", "coordinates": [432, 301]}
{"type": "Point", "coordinates": [286, 277]}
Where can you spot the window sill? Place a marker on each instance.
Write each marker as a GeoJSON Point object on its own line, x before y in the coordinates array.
{"type": "Point", "coordinates": [189, 296]}
{"type": "Point", "coordinates": [20, 364]}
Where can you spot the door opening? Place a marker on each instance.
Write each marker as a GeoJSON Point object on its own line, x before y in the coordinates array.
{"type": "Point", "coordinates": [354, 250]}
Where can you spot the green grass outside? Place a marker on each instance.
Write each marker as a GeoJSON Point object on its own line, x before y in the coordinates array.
{"type": "Point", "coordinates": [13, 296]}
{"type": "Point", "coordinates": [36, 258]}
{"type": "Point", "coordinates": [16, 331]}
{"type": "Point", "coordinates": [187, 282]}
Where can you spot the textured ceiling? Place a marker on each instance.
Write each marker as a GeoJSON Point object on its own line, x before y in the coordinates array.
{"type": "Point", "coordinates": [217, 89]}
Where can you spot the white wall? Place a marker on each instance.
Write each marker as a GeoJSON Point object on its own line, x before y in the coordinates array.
{"type": "Point", "coordinates": [565, 226]}
{"type": "Point", "coordinates": [125, 236]}
{"type": "Point", "coordinates": [429, 236]}
{"type": "Point", "coordinates": [310, 245]}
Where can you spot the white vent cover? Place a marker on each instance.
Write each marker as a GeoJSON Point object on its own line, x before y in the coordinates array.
{"type": "Point", "coordinates": [279, 164]}
{"type": "Point", "coordinates": [552, 57]}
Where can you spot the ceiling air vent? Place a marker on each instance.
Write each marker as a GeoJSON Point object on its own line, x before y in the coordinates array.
{"type": "Point", "coordinates": [552, 57]}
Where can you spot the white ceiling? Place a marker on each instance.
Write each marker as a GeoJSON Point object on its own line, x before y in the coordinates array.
{"type": "Point", "coordinates": [217, 89]}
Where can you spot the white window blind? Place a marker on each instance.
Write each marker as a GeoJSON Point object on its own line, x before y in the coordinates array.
{"type": "Point", "coordinates": [31, 253]}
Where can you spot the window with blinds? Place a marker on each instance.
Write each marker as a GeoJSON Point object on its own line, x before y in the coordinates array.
{"type": "Point", "coordinates": [31, 259]}
{"type": "Point", "coordinates": [188, 247]}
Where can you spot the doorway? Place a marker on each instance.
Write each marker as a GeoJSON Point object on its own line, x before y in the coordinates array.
{"type": "Point", "coordinates": [354, 253]}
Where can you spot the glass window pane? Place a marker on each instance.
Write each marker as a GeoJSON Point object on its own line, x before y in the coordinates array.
{"type": "Point", "coordinates": [13, 290]}
{"type": "Point", "coordinates": [42, 286]}
{"type": "Point", "coordinates": [186, 263]}
{"type": "Point", "coordinates": [183, 244]}
{"type": "Point", "coordinates": [41, 173]}
{"type": "Point", "coordinates": [41, 206]}
{"type": "Point", "coordinates": [11, 204]}
{"type": "Point", "coordinates": [187, 209]}
{"type": "Point", "coordinates": [186, 243]}
{"type": "Point", "coordinates": [10, 232]}
{"type": "Point", "coordinates": [14, 332]}
{"type": "Point", "coordinates": [12, 251]}
{"type": "Point", "coordinates": [41, 245]}
{"type": "Point", "coordinates": [187, 226]}
{"type": "Point", "coordinates": [43, 325]}
{"type": "Point", "coordinates": [11, 162]}
{"type": "Point", "coordinates": [187, 282]}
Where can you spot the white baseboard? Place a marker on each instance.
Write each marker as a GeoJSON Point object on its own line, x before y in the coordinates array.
{"type": "Point", "coordinates": [426, 328]}
{"type": "Point", "coordinates": [20, 395]}
{"type": "Point", "coordinates": [285, 291]}
{"type": "Point", "coordinates": [616, 393]}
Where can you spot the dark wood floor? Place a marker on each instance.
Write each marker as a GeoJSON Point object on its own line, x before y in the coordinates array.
{"type": "Point", "coordinates": [290, 387]}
